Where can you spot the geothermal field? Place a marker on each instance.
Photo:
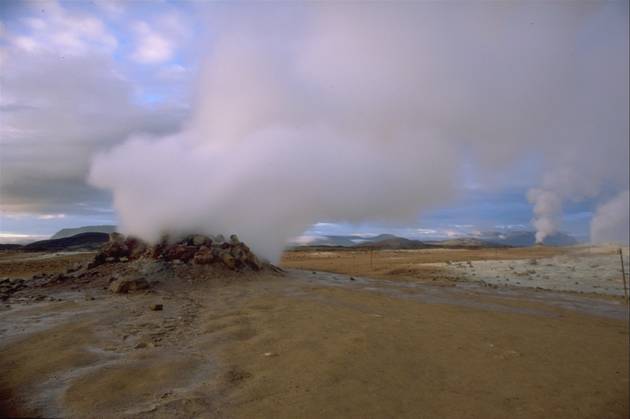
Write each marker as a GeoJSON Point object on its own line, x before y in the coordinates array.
{"type": "Point", "coordinates": [202, 328]}
{"type": "Point", "coordinates": [314, 209]}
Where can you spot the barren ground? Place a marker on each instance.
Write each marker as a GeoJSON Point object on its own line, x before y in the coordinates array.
{"type": "Point", "coordinates": [316, 344]}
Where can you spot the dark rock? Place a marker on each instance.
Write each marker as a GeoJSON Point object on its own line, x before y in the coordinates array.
{"type": "Point", "coordinates": [204, 256]}
{"type": "Point", "coordinates": [181, 252]}
{"type": "Point", "coordinates": [228, 260]}
{"type": "Point", "coordinates": [199, 240]}
{"type": "Point", "coordinates": [124, 285]}
{"type": "Point", "coordinates": [156, 307]}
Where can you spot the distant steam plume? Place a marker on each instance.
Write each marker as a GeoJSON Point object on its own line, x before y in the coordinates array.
{"type": "Point", "coordinates": [610, 223]}
{"type": "Point", "coordinates": [356, 112]}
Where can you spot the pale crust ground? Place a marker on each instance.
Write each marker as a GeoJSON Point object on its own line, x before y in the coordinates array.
{"type": "Point", "coordinates": [312, 345]}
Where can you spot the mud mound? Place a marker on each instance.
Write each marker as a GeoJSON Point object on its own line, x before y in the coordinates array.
{"type": "Point", "coordinates": [126, 265]}
{"type": "Point", "coordinates": [191, 250]}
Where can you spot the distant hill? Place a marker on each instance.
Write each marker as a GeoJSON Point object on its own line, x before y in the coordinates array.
{"type": "Point", "coordinates": [68, 232]}
{"type": "Point", "coordinates": [345, 241]}
{"type": "Point", "coordinates": [394, 243]}
{"type": "Point", "coordinates": [10, 246]}
{"type": "Point", "coordinates": [83, 241]}
{"type": "Point", "coordinates": [485, 239]}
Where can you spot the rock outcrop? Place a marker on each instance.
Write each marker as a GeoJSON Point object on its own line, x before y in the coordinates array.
{"type": "Point", "coordinates": [195, 249]}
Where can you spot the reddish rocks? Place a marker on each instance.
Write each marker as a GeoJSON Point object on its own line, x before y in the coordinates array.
{"type": "Point", "coordinates": [196, 249]}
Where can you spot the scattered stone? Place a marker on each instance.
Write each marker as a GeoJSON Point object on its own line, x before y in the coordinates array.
{"type": "Point", "coordinates": [140, 345]}
{"type": "Point", "coordinates": [156, 307]}
{"type": "Point", "coordinates": [124, 285]}
{"type": "Point", "coordinates": [72, 269]}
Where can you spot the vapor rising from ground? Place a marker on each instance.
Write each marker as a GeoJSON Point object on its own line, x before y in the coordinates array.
{"type": "Point", "coordinates": [345, 112]}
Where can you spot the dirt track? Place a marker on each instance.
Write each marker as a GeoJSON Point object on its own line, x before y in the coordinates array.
{"type": "Point", "coordinates": [312, 345]}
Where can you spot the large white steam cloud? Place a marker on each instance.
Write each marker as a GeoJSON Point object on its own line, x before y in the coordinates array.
{"type": "Point", "coordinates": [365, 111]}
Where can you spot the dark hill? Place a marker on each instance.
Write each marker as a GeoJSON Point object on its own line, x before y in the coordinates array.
{"type": "Point", "coordinates": [69, 232]}
{"type": "Point", "coordinates": [395, 243]}
{"type": "Point", "coordinates": [83, 241]}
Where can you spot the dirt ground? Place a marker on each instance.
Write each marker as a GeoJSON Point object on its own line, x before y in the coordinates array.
{"type": "Point", "coordinates": [586, 269]}
{"type": "Point", "coordinates": [310, 344]}
{"type": "Point", "coordinates": [24, 264]}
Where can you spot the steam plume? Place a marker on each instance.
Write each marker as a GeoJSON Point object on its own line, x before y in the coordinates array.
{"type": "Point", "coordinates": [356, 112]}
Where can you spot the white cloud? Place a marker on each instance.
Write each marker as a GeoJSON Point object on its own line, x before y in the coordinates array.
{"type": "Point", "coordinates": [113, 8]}
{"type": "Point", "coordinates": [152, 47]}
{"type": "Point", "coordinates": [63, 98]}
{"type": "Point", "coordinates": [17, 238]}
{"type": "Point", "coordinates": [51, 216]}
{"type": "Point", "coordinates": [65, 33]}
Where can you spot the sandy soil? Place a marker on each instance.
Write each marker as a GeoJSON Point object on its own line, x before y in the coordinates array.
{"type": "Point", "coordinates": [24, 264]}
{"type": "Point", "coordinates": [313, 345]}
{"type": "Point", "coordinates": [586, 269]}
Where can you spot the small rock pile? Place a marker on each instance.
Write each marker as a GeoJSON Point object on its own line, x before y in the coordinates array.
{"type": "Point", "coordinates": [194, 249]}
{"type": "Point", "coordinates": [9, 286]}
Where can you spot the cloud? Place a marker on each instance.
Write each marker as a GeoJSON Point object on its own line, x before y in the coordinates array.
{"type": "Point", "coordinates": [113, 8]}
{"type": "Point", "coordinates": [308, 113]}
{"type": "Point", "coordinates": [17, 238]}
{"type": "Point", "coordinates": [64, 33]}
{"type": "Point", "coordinates": [158, 40]}
{"type": "Point", "coordinates": [51, 216]}
{"type": "Point", "coordinates": [61, 102]}
{"type": "Point", "coordinates": [152, 47]}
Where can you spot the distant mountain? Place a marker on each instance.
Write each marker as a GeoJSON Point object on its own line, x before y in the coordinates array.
{"type": "Point", "coordinates": [10, 246]}
{"type": "Point", "coordinates": [83, 241]}
{"type": "Point", "coordinates": [394, 243]}
{"type": "Point", "coordinates": [67, 232]}
{"type": "Point", "coordinates": [485, 239]}
{"type": "Point", "coordinates": [347, 241]}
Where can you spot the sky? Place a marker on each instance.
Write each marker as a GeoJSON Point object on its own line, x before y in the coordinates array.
{"type": "Point", "coordinates": [438, 120]}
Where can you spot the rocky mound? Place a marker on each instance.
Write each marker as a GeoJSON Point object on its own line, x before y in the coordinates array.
{"type": "Point", "coordinates": [194, 249]}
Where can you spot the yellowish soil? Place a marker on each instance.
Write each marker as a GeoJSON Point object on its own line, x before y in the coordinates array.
{"type": "Point", "coordinates": [405, 264]}
{"type": "Point", "coordinates": [306, 345]}
{"type": "Point", "coordinates": [25, 264]}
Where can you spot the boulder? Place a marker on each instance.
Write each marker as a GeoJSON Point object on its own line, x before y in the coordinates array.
{"type": "Point", "coordinates": [124, 285]}
{"type": "Point", "coordinates": [204, 256]}
{"type": "Point", "coordinates": [180, 252]}
{"type": "Point", "coordinates": [136, 248]}
{"type": "Point", "coordinates": [199, 240]}
{"type": "Point", "coordinates": [228, 260]}
{"type": "Point", "coordinates": [253, 262]}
